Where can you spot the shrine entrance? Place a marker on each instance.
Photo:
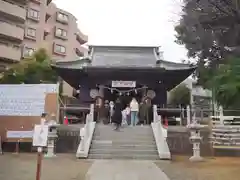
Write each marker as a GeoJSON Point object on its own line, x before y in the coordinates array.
{"type": "Point", "coordinates": [124, 93]}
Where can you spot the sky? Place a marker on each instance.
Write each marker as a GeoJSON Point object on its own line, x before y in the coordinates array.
{"type": "Point", "coordinates": [129, 22]}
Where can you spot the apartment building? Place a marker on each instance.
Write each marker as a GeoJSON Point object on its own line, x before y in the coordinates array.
{"type": "Point", "coordinates": [26, 25]}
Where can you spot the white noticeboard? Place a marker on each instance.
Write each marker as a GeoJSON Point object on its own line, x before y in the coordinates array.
{"type": "Point", "coordinates": [40, 135]}
{"type": "Point", "coordinates": [19, 134]}
{"type": "Point", "coordinates": [24, 99]}
{"type": "Point", "coordinates": [124, 84]}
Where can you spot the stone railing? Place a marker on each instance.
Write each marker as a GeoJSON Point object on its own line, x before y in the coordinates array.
{"type": "Point", "coordinates": [160, 135]}
{"type": "Point", "coordinates": [86, 134]}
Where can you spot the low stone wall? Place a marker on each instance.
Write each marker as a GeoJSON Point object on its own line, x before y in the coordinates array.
{"type": "Point", "coordinates": [67, 142]}
{"type": "Point", "coordinates": [179, 143]}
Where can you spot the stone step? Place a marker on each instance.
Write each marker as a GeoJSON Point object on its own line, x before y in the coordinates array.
{"type": "Point", "coordinates": [124, 151]}
{"type": "Point", "coordinates": [123, 142]}
{"type": "Point", "coordinates": [132, 138]}
{"type": "Point", "coordinates": [123, 132]}
{"type": "Point", "coordinates": [125, 157]}
{"type": "Point", "coordinates": [126, 130]}
{"type": "Point", "coordinates": [102, 126]}
{"type": "Point", "coordinates": [123, 146]}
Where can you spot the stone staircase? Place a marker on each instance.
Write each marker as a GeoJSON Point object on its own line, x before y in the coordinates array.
{"type": "Point", "coordinates": [129, 143]}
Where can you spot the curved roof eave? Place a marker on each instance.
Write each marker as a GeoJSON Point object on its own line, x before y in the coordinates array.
{"type": "Point", "coordinates": [86, 62]}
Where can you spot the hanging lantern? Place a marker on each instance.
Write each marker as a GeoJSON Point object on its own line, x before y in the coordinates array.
{"type": "Point", "coordinates": [128, 93]}
{"type": "Point", "coordinates": [93, 93]}
{"type": "Point", "coordinates": [120, 93]}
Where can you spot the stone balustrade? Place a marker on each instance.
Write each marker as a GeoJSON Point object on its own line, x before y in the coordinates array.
{"type": "Point", "coordinates": [86, 134]}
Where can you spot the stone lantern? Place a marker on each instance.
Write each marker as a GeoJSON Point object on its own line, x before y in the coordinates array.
{"type": "Point", "coordinates": [52, 136]}
{"type": "Point", "coordinates": [195, 139]}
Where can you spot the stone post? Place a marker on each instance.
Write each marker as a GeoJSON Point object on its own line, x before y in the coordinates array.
{"type": "Point", "coordinates": [221, 116]}
{"type": "Point", "coordinates": [188, 115]}
{"type": "Point", "coordinates": [155, 114]}
{"type": "Point", "coordinates": [82, 134]}
{"type": "Point", "coordinates": [91, 112]}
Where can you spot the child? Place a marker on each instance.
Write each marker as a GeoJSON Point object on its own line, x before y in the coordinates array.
{"type": "Point", "coordinates": [124, 117]}
{"type": "Point", "coordinates": [128, 114]}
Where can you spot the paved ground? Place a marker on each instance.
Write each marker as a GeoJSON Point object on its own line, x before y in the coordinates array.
{"type": "Point", "coordinates": [23, 167]}
{"type": "Point", "coordinates": [122, 170]}
{"type": "Point", "coordinates": [67, 167]}
{"type": "Point", "coordinates": [212, 169]}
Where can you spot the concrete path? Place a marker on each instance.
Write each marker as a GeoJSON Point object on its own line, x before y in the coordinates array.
{"type": "Point", "coordinates": [125, 169]}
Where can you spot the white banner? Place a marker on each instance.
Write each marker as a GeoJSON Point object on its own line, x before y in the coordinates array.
{"type": "Point", "coordinates": [19, 134]}
{"type": "Point", "coordinates": [124, 84]}
{"type": "Point", "coordinates": [24, 99]}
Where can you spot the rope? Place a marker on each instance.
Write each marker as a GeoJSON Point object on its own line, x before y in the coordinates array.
{"type": "Point", "coordinates": [124, 91]}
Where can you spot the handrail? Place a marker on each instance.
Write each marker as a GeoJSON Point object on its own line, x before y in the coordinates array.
{"type": "Point", "coordinates": [86, 134]}
{"type": "Point", "coordinates": [160, 135]}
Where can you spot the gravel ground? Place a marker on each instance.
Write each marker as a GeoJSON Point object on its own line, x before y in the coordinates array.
{"type": "Point", "coordinates": [23, 167]}
{"type": "Point", "coordinates": [211, 169]}
{"type": "Point", "coordinates": [67, 167]}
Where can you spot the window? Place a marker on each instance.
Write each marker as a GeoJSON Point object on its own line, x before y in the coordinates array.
{"type": "Point", "coordinates": [62, 17]}
{"type": "Point", "coordinates": [61, 32]}
{"type": "Point", "coordinates": [28, 52]}
{"type": "Point", "coordinates": [31, 32]}
{"type": "Point", "coordinates": [34, 14]}
{"type": "Point", "coordinates": [59, 49]}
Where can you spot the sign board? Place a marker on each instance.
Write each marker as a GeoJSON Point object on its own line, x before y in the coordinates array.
{"type": "Point", "coordinates": [40, 135]}
{"type": "Point", "coordinates": [19, 134]}
{"type": "Point", "coordinates": [124, 84]}
{"type": "Point", "coordinates": [24, 99]}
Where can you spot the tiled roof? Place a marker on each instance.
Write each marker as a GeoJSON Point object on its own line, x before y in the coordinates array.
{"type": "Point", "coordinates": [128, 56]}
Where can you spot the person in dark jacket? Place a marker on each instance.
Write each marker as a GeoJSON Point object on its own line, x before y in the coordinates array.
{"type": "Point", "coordinates": [117, 116]}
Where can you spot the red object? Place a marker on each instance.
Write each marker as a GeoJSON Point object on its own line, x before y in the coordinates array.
{"type": "Point", "coordinates": [65, 121]}
{"type": "Point", "coordinates": [165, 122]}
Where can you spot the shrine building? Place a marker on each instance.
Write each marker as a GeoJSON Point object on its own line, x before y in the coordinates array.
{"type": "Point", "coordinates": [123, 71]}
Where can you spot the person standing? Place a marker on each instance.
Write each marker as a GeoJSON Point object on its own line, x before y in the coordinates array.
{"type": "Point", "coordinates": [65, 122]}
{"type": "Point", "coordinates": [128, 113]}
{"type": "Point", "coordinates": [106, 115]}
{"type": "Point", "coordinates": [142, 113]}
{"type": "Point", "coordinates": [134, 112]}
{"type": "Point", "coordinates": [124, 117]}
{"type": "Point", "coordinates": [117, 115]}
{"type": "Point", "coordinates": [111, 105]}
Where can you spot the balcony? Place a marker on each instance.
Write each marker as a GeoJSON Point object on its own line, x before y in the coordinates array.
{"type": "Point", "coordinates": [81, 38]}
{"type": "Point", "coordinates": [81, 51]}
{"type": "Point", "coordinates": [12, 11]}
{"type": "Point", "coordinates": [10, 52]}
{"type": "Point", "coordinates": [11, 31]}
